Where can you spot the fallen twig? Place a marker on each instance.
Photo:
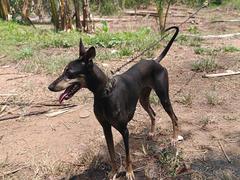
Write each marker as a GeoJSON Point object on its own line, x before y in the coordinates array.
{"type": "Point", "coordinates": [61, 111]}
{"type": "Point", "coordinates": [230, 20]}
{"type": "Point", "coordinates": [8, 95]}
{"type": "Point", "coordinates": [229, 73]}
{"type": "Point", "coordinates": [224, 152]}
{"type": "Point", "coordinates": [15, 170]}
{"type": "Point", "coordinates": [24, 115]}
{"type": "Point", "coordinates": [16, 78]}
{"type": "Point", "coordinates": [3, 56]}
{"type": "Point", "coordinates": [213, 36]}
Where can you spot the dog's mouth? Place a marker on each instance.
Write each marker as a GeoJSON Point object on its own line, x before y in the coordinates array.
{"type": "Point", "coordinates": [69, 92]}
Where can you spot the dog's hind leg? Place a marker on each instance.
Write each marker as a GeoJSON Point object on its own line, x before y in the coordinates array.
{"type": "Point", "coordinates": [144, 101]}
{"type": "Point", "coordinates": [161, 88]}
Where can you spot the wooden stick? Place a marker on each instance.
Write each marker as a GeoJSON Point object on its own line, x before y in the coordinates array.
{"type": "Point", "coordinates": [230, 20]}
{"type": "Point", "coordinates": [17, 78]}
{"type": "Point", "coordinates": [3, 56]}
{"type": "Point", "coordinates": [213, 36]}
{"type": "Point", "coordinates": [224, 152]}
{"type": "Point", "coordinates": [14, 171]}
{"type": "Point", "coordinates": [8, 94]}
{"type": "Point", "coordinates": [221, 74]}
{"type": "Point", "coordinates": [34, 113]}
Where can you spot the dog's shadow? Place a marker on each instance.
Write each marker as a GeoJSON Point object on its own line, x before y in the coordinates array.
{"type": "Point", "coordinates": [149, 155]}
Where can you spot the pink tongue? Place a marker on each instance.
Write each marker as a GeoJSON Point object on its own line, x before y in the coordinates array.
{"type": "Point", "coordinates": [62, 97]}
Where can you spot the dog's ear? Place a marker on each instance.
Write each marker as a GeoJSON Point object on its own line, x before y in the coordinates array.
{"type": "Point", "coordinates": [82, 50]}
{"type": "Point", "coordinates": [90, 54]}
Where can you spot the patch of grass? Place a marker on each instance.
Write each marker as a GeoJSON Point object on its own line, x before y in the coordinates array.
{"type": "Point", "coordinates": [230, 117]}
{"type": "Point", "coordinates": [185, 99]}
{"type": "Point", "coordinates": [206, 51]}
{"type": "Point", "coordinates": [14, 37]}
{"type": "Point", "coordinates": [235, 4]}
{"type": "Point", "coordinates": [205, 65]}
{"type": "Point", "coordinates": [205, 121]}
{"type": "Point", "coordinates": [189, 41]}
{"type": "Point", "coordinates": [212, 98]}
{"type": "Point", "coordinates": [231, 49]}
{"type": "Point", "coordinates": [193, 30]}
{"type": "Point", "coordinates": [25, 53]}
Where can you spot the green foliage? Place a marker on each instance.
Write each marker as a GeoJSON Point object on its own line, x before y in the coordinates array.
{"type": "Point", "coordinates": [105, 27]}
{"type": "Point", "coordinates": [193, 30]}
{"type": "Point", "coordinates": [205, 65]}
{"type": "Point", "coordinates": [25, 53]}
{"type": "Point", "coordinates": [212, 98]}
{"type": "Point", "coordinates": [189, 41]}
{"type": "Point", "coordinates": [214, 51]}
{"type": "Point", "coordinates": [20, 42]}
{"type": "Point", "coordinates": [108, 7]}
{"type": "Point", "coordinates": [193, 2]}
{"type": "Point", "coordinates": [231, 49]}
{"type": "Point", "coordinates": [136, 3]}
{"type": "Point", "coordinates": [232, 3]}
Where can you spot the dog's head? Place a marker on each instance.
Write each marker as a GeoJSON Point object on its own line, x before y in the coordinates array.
{"type": "Point", "coordinates": [74, 75]}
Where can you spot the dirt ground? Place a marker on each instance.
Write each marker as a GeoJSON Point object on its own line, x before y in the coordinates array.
{"type": "Point", "coordinates": [72, 145]}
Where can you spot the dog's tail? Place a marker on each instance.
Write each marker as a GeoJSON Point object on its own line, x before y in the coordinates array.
{"type": "Point", "coordinates": [165, 51]}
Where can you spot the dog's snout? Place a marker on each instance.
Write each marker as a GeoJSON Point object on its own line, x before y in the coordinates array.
{"type": "Point", "coordinates": [51, 87]}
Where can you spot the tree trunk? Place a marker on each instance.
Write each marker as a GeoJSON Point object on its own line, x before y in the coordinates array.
{"type": "Point", "coordinates": [77, 14]}
{"type": "Point", "coordinates": [160, 5]}
{"type": "Point", "coordinates": [67, 16]}
{"type": "Point", "coordinates": [55, 15]}
{"type": "Point", "coordinates": [62, 14]}
{"type": "Point", "coordinates": [4, 9]}
{"type": "Point", "coordinates": [87, 22]}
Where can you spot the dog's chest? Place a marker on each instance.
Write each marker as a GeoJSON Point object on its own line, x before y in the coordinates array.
{"type": "Point", "coordinates": [106, 109]}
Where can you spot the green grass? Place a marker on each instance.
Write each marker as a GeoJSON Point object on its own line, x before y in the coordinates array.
{"type": "Point", "coordinates": [189, 41]}
{"type": "Point", "coordinates": [212, 98]}
{"type": "Point", "coordinates": [29, 45]}
{"type": "Point", "coordinates": [205, 65]}
{"type": "Point", "coordinates": [214, 51]}
{"type": "Point", "coordinates": [235, 4]}
{"type": "Point", "coordinates": [231, 49]}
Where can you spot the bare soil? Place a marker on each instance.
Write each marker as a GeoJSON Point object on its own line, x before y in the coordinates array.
{"type": "Point", "coordinates": [72, 145]}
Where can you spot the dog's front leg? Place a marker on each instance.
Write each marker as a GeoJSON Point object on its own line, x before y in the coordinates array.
{"type": "Point", "coordinates": [110, 144]}
{"type": "Point", "coordinates": [129, 173]}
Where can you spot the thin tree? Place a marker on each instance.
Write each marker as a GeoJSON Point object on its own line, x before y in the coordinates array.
{"type": "Point", "coordinates": [77, 14]}
{"type": "Point", "coordinates": [86, 17]}
{"type": "Point", "coordinates": [54, 13]}
{"type": "Point", "coordinates": [4, 9]}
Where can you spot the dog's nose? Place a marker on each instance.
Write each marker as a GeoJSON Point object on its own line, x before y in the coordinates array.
{"type": "Point", "coordinates": [51, 87]}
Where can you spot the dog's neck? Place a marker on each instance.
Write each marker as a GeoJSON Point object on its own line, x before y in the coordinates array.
{"type": "Point", "coordinates": [97, 81]}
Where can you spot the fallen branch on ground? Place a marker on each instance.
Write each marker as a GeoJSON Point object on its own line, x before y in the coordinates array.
{"type": "Point", "coordinates": [8, 95]}
{"type": "Point", "coordinates": [3, 56]}
{"type": "Point", "coordinates": [61, 111]}
{"type": "Point", "coordinates": [224, 152]}
{"type": "Point", "coordinates": [17, 78]}
{"type": "Point", "coordinates": [14, 171]}
{"type": "Point", "coordinates": [213, 36]}
{"type": "Point", "coordinates": [230, 73]}
{"type": "Point", "coordinates": [34, 113]}
{"type": "Point", "coordinates": [231, 20]}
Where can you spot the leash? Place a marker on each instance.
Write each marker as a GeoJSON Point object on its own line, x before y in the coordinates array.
{"type": "Point", "coordinates": [157, 42]}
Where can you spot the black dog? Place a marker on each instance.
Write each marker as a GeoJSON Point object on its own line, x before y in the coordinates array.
{"type": "Point", "coordinates": [115, 99]}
